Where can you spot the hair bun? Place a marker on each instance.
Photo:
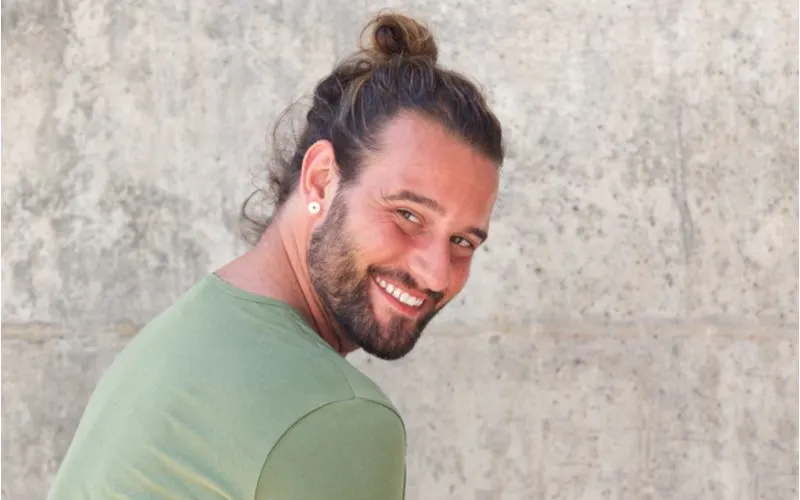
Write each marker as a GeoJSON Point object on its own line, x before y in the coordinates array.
{"type": "Point", "coordinates": [398, 35]}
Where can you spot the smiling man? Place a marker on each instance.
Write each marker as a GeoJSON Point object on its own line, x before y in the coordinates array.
{"type": "Point", "coordinates": [240, 390]}
{"type": "Point", "coordinates": [395, 245]}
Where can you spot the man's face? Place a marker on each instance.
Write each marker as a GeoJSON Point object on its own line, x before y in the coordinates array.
{"type": "Point", "coordinates": [397, 244]}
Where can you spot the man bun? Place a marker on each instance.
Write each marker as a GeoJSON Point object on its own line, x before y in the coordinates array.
{"type": "Point", "coordinates": [396, 35]}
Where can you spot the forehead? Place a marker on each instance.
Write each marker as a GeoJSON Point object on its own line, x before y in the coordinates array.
{"type": "Point", "coordinates": [419, 155]}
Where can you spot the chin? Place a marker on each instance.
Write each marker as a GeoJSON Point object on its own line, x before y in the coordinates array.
{"type": "Point", "coordinates": [387, 354]}
{"type": "Point", "coordinates": [385, 349]}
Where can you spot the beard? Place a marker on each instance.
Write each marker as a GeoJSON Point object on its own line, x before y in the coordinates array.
{"type": "Point", "coordinates": [343, 288]}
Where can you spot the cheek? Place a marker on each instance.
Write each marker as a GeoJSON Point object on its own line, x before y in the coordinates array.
{"type": "Point", "coordinates": [459, 274]}
{"type": "Point", "coordinates": [380, 242]}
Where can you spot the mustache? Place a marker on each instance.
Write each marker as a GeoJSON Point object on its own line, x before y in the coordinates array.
{"type": "Point", "coordinates": [407, 280]}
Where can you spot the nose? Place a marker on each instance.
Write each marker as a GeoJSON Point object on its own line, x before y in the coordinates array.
{"type": "Point", "coordinates": [430, 266]}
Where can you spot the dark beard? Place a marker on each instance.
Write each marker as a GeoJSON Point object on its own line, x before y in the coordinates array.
{"type": "Point", "coordinates": [344, 292]}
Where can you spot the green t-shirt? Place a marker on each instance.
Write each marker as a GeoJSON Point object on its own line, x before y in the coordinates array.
{"type": "Point", "coordinates": [230, 395]}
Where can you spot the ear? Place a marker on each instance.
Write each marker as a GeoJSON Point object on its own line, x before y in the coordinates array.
{"type": "Point", "coordinates": [319, 176]}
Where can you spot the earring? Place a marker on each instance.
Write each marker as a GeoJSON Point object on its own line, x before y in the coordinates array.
{"type": "Point", "coordinates": [313, 207]}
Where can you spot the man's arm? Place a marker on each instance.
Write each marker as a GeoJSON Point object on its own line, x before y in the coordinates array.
{"type": "Point", "coordinates": [353, 450]}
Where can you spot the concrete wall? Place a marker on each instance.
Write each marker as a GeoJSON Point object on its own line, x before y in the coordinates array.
{"type": "Point", "coordinates": [631, 330]}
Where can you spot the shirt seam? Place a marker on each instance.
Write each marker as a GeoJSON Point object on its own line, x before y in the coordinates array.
{"type": "Point", "coordinates": [350, 385]}
{"type": "Point", "coordinates": [308, 414]}
{"type": "Point", "coordinates": [386, 405]}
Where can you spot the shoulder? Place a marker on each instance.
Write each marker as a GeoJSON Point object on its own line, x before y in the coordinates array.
{"type": "Point", "coordinates": [356, 415]}
{"type": "Point", "coordinates": [352, 449]}
{"type": "Point", "coordinates": [361, 385]}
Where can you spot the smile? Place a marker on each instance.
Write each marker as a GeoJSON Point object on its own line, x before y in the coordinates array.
{"type": "Point", "coordinates": [399, 293]}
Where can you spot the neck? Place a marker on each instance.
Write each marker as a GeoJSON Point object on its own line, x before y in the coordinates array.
{"type": "Point", "coordinates": [277, 268]}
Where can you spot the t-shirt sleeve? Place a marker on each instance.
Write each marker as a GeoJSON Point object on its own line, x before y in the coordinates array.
{"type": "Point", "coordinates": [353, 450]}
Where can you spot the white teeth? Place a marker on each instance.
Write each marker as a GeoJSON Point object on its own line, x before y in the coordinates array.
{"type": "Point", "coordinates": [400, 295]}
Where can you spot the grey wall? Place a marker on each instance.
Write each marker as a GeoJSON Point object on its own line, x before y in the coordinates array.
{"type": "Point", "coordinates": [631, 330]}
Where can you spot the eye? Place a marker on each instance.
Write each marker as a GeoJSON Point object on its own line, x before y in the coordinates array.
{"type": "Point", "coordinates": [463, 242]}
{"type": "Point", "coordinates": [408, 216]}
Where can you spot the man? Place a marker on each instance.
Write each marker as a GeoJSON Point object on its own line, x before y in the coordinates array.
{"type": "Point", "coordinates": [240, 389]}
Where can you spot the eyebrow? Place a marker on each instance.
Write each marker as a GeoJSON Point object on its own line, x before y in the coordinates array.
{"type": "Point", "coordinates": [406, 195]}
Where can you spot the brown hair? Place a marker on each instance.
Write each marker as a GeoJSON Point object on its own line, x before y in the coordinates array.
{"type": "Point", "coordinates": [395, 71]}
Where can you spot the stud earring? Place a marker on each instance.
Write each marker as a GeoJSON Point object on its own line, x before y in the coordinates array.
{"type": "Point", "coordinates": [313, 207]}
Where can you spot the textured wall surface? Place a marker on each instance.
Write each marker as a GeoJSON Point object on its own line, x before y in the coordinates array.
{"type": "Point", "coordinates": [629, 333]}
